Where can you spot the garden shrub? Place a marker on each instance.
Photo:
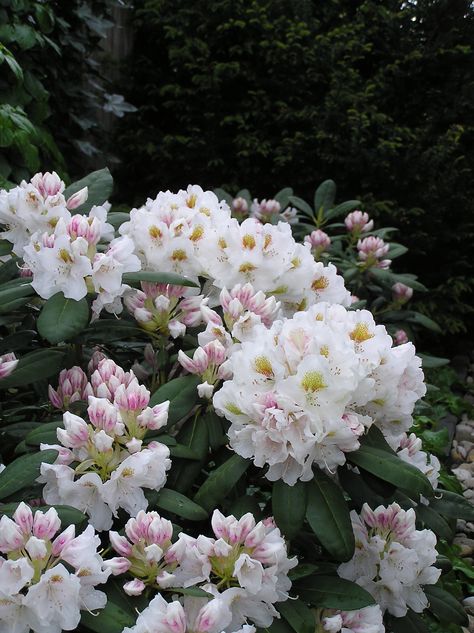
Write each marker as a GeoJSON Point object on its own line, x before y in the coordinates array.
{"type": "Point", "coordinates": [198, 425]}
{"type": "Point", "coordinates": [256, 93]}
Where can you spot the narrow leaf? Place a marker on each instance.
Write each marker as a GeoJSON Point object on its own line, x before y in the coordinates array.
{"type": "Point", "coordinates": [23, 471]}
{"type": "Point", "coordinates": [221, 481]}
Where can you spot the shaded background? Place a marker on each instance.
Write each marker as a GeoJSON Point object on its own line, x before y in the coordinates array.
{"type": "Point", "coordinates": [377, 95]}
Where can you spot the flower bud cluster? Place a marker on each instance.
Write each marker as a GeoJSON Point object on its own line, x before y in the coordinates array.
{"type": "Point", "coordinates": [244, 568]}
{"type": "Point", "coordinates": [358, 222]}
{"type": "Point", "coordinates": [103, 463]}
{"type": "Point", "coordinates": [304, 390]}
{"type": "Point", "coordinates": [46, 576]}
{"type": "Point", "coordinates": [371, 250]}
{"type": "Point", "coordinates": [73, 386]}
{"type": "Point", "coordinates": [319, 241]}
{"type": "Point", "coordinates": [165, 309]}
{"type": "Point", "coordinates": [392, 560]}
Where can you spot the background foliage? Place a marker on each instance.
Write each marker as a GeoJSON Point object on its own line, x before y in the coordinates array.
{"type": "Point", "coordinates": [377, 95]}
{"type": "Point", "coordinates": [53, 86]}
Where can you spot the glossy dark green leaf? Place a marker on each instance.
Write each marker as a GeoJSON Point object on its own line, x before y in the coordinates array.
{"type": "Point", "coordinates": [99, 183]}
{"type": "Point", "coordinates": [111, 619]}
{"type": "Point", "coordinates": [62, 319]}
{"type": "Point", "coordinates": [158, 278]}
{"type": "Point", "coordinates": [34, 366]}
{"type": "Point", "coordinates": [391, 468]}
{"type": "Point", "coordinates": [445, 606]}
{"type": "Point", "coordinates": [325, 196]}
{"type": "Point", "coordinates": [452, 505]}
{"type": "Point", "coordinates": [220, 482]}
{"type": "Point", "coordinates": [14, 296]}
{"type": "Point", "coordinates": [23, 471]}
{"type": "Point", "coordinates": [298, 616]}
{"type": "Point", "coordinates": [289, 506]}
{"type": "Point", "coordinates": [329, 518]}
{"type": "Point", "coordinates": [182, 394]}
{"type": "Point", "coordinates": [46, 433]}
{"type": "Point", "coordinates": [434, 521]}
{"type": "Point", "coordinates": [194, 434]}
{"type": "Point", "coordinates": [333, 593]}
{"type": "Point", "coordinates": [178, 504]}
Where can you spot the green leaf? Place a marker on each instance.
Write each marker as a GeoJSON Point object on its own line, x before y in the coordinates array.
{"type": "Point", "coordinates": [116, 218]}
{"type": "Point", "coordinates": [452, 505]}
{"type": "Point", "coordinates": [11, 294]}
{"type": "Point", "coordinates": [182, 394]}
{"type": "Point", "coordinates": [99, 183]}
{"type": "Point", "coordinates": [389, 278]}
{"type": "Point", "coordinates": [5, 248]}
{"type": "Point", "coordinates": [298, 616]}
{"type": "Point", "coordinates": [223, 195]}
{"type": "Point", "coordinates": [391, 468]}
{"type": "Point", "coordinates": [67, 515]}
{"type": "Point", "coordinates": [343, 209]}
{"type": "Point", "coordinates": [329, 518]}
{"type": "Point", "coordinates": [410, 623]}
{"type": "Point", "coordinates": [23, 471]}
{"type": "Point", "coordinates": [175, 502]}
{"type": "Point", "coordinates": [221, 481]}
{"type": "Point", "coordinates": [325, 196]}
{"type": "Point", "coordinates": [44, 434]}
{"type": "Point", "coordinates": [283, 196]}
{"type": "Point", "coordinates": [333, 593]}
{"type": "Point", "coordinates": [445, 606]}
{"type": "Point", "coordinates": [62, 319]}
{"type": "Point", "coordinates": [194, 434]}
{"type": "Point", "coordinates": [183, 452]}
{"type": "Point", "coordinates": [158, 278]}
{"type": "Point", "coordinates": [105, 330]}
{"type": "Point", "coordinates": [434, 521]}
{"type": "Point", "coordinates": [34, 366]}
{"type": "Point", "coordinates": [432, 362]}
{"type": "Point", "coordinates": [111, 619]}
{"type": "Point", "coordinates": [289, 506]}
{"type": "Point", "coordinates": [302, 206]}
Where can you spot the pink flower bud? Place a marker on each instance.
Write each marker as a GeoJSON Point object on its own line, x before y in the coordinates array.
{"type": "Point", "coordinates": [45, 525]}
{"type": "Point", "coordinates": [77, 198]}
{"type": "Point", "coordinates": [318, 240]}
{"type": "Point", "coordinates": [88, 228]}
{"type": "Point", "coordinates": [240, 206]}
{"type": "Point", "coordinates": [118, 565]}
{"type": "Point", "coordinates": [12, 536]}
{"type": "Point", "coordinates": [73, 386]}
{"type": "Point", "coordinates": [62, 540]}
{"type": "Point", "coordinates": [401, 292]}
{"type": "Point", "coordinates": [265, 208]}
{"type": "Point", "coordinates": [120, 544]}
{"type": "Point", "coordinates": [160, 531]}
{"type": "Point", "coordinates": [358, 222]}
{"type": "Point", "coordinates": [47, 184]}
{"type": "Point", "coordinates": [76, 432]}
{"type": "Point", "coordinates": [134, 587]}
{"type": "Point", "coordinates": [8, 362]}
{"type": "Point", "coordinates": [23, 517]}
{"type": "Point", "coordinates": [102, 413]}
{"type": "Point", "coordinates": [133, 397]}
{"type": "Point", "coordinates": [25, 272]}
{"type": "Point", "coordinates": [400, 337]}
{"type": "Point", "coordinates": [96, 357]}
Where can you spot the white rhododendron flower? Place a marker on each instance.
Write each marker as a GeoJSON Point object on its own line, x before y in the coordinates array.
{"type": "Point", "coordinates": [392, 560]}
{"type": "Point", "coordinates": [366, 620]}
{"type": "Point", "coordinates": [114, 464]}
{"type": "Point", "coordinates": [410, 450]}
{"type": "Point", "coordinates": [47, 577]}
{"type": "Point", "coordinates": [306, 389]}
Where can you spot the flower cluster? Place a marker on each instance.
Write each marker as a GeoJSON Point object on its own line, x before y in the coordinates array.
{"type": "Point", "coordinates": [244, 567]}
{"type": "Point", "coordinates": [371, 250]}
{"type": "Point", "coordinates": [392, 559]}
{"type": "Point", "coordinates": [73, 386]}
{"type": "Point", "coordinates": [165, 309]}
{"type": "Point", "coordinates": [47, 577]}
{"type": "Point", "coordinates": [103, 464]}
{"type": "Point", "coordinates": [304, 390]}
{"type": "Point", "coordinates": [410, 450]}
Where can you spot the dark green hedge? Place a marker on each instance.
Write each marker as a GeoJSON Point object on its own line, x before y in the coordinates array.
{"type": "Point", "coordinates": [266, 93]}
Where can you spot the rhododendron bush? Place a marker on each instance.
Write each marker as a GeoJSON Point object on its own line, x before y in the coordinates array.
{"type": "Point", "coordinates": [202, 428]}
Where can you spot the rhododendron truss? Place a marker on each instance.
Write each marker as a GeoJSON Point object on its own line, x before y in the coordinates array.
{"type": "Point", "coordinates": [206, 410]}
